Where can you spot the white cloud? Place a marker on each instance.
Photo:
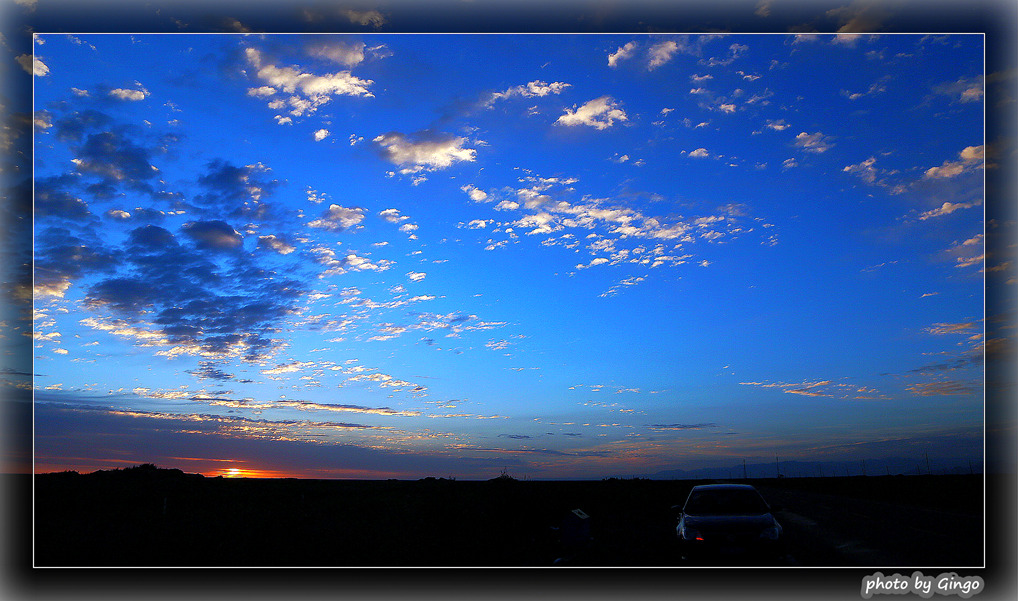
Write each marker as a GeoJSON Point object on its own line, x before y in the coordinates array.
{"type": "Point", "coordinates": [972, 153]}
{"type": "Point", "coordinates": [699, 153]}
{"type": "Point", "coordinates": [622, 53]}
{"type": "Point", "coordinates": [35, 66]}
{"type": "Point", "coordinates": [659, 54]}
{"type": "Point", "coordinates": [846, 39]}
{"type": "Point", "coordinates": [285, 368]}
{"type": "Point", "coordinates": [416, 276]}
{"type": "Point", "coordinates": [778, 125]}
{"type": "Point", "coordinates": [876, 88]}
{"type": "Point", "coordinates": [344, 54]}
{"type": "Point", "coordinates": [55, 288]}
{"type": "Point", "coordinates": [969, 253]}
{"type": "Point", "coordinates": [351, 262]}
{"type": "Point", "coordinates": [817, 142]}
{"type": "Point", "coordinates": [947, 208]}
{"type": "Point", "coordinates": [42, 120]}
{"type": "Point", "coordinates": [970, 158]}
{"type": "Point", "coordinates": [533, 89]}
{"type": "Point", "coordinates": [277, 244]}
{"type": "Point", "coordinates": [126, 94]}
{"type": "Point", "coordinates": [261, 91]}
{"type": "Point", "coordinates": [392, 216]}
{"type": "Point", "coordinates": [593, 263]}
{"type": "Point", "coordinates": [600, 113]}
{"type": "Point", "coordinates": [865, 170]}
{"type": "Point", "coordinates": [321, 135]}
{"type": "Point", "coordinates": [337, 218]}
{"type": "Point", "coordinates": [430, 152]}
{"type": "Point", "coordinates": [475, 194]}
{"type": "Point", "coordinates": [734, 52]}
{"type": "Point", "coordinates": [309, 91]}
{"type": "Point", "coordinates": [541, 222]}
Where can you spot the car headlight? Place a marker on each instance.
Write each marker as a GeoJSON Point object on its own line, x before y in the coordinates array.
{"type": "Point", "coordinates": [772, 533]}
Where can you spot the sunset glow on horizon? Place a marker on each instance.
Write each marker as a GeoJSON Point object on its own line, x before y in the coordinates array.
{"type": "Point", "coordinates": [563, 256]}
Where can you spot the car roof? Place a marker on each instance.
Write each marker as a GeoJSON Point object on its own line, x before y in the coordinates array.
{"type": "Point", "coordinates": [705, 487]}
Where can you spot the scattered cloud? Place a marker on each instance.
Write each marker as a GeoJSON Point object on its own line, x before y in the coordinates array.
{"type": "Point", "coordinates": [943, 388]}
{"type": "Point", "coordinates": [276, 243]}
{"type": "Point", "coordinates": [423, 151]}
{"type": "Point", "coordinates": [816, 142]}
{"type": "Point", "coordinates": [877, 87]}
{"type": "Point", "coordinates": [968, 159]}
{"type": "Point", "coordinates": [33, 65]}
{"type": "Point", "coordinates": [962, 90]}
{"type": "Point", "coordinates": [946, 209]}
{"type": "Point", "coordinates": [600, 113]}
{"type": "Point", "coordinates": [533, 89]}
{"type": "Point", "coordinates": [666, 427]}
{"type": "Point", "coordinates": [476, 194]}
{"type": "Point", "coordinates": [624, 52]}
{"type": "Point", "coordinates": [338, 218]}
{"type": "Point", "coordinates": [307, 91]}
{"type": "Point", "coordinates": [348, 55]}
{"type": "Point", "coordinates": [128, 94]}
{"type": "Point", "coordinates": [213, 235]}
{"type": "Point", "coordinates": [661, 53]}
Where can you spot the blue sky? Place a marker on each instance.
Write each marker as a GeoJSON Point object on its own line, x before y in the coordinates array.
{"type": "Point", "coordinates": [560, 255]}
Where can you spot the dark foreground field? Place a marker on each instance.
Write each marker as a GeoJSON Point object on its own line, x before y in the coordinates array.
{"type": "Point", "coordinates": [150, 517]}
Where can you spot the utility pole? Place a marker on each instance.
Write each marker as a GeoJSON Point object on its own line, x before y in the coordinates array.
{"type": "Point", "coordinates": [928, 470]}
{"type": "Point", "coordinates": [745, 477]}
{"type": "Point", "coordinates": [777, 466]}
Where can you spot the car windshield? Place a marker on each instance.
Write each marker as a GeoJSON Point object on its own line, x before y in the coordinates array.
{"type": "Point", "coordinates": [725, 502]}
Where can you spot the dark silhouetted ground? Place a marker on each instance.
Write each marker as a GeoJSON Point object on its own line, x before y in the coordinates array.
{"type": "Point", "coordinates": [145, 516]}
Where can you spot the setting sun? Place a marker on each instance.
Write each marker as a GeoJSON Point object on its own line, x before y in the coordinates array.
{"type": "Point", "coordinates": [240, 472]}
